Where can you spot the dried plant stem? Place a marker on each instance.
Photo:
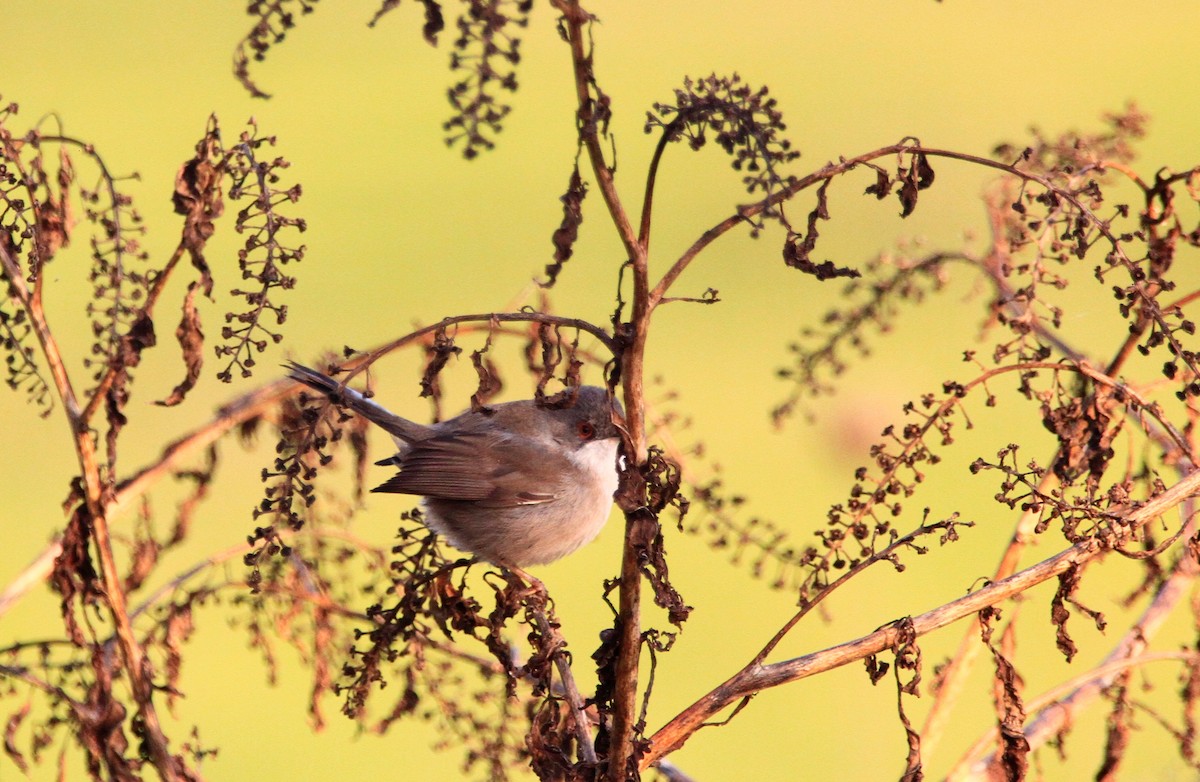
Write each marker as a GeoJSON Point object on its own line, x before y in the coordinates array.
{"type": "Point", "coordinates": [22, 674]}
{"type": "Point", "coordinates": [229, 416]}
{"type": "Point", "coordinates": [555, 642]}
{"type": "Point", "coordinates": [583, 732]}
{"type": "Point", "coordinates": [96, 501]}
{"type": "Point", "coordinates": [756, 676]}
{"type": "Point", "coordinates": [629, 627]}
{"type": "Point", "coordinates": [131, 650]}
{"type": "Point", "coordinates": [575, 22]}
{"type": "Point", "coordinates": [32, 304]}
{"type": "Point", "coordinates": [34, 574]}
{"type": "Point", "coordinates": [487, 317]}
{"type": "Point", "coordinates": [576, 19]}
{"type": "Point", "coordinates": [651, 178]}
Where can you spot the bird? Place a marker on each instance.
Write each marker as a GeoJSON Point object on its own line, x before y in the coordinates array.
{"type": "Point", "coordinates": [516, 484]}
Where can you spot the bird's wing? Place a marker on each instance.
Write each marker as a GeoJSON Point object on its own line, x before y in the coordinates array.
{"type": "Point", "coordinates": [476, 467]}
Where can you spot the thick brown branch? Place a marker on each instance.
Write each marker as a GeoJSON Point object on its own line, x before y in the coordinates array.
{"type": "Point", "coordinates": [575, 22]}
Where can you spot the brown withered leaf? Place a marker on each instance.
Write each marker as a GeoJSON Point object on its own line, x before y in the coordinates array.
{"type": "Point", "coordinates": [1013, 757]}
{"type": "Point", "coordinates": [876, 668]}
{"type": "Point", "coordinates": [908, 196]}
{"type": "Point", "coordinates": [663, 480]}
{"type": "Point", "coordinates": [100, 720]}
{"type": "Point", "coordinates": [10, 736]}
{"type": "Point", "coordinates": [1116, 740]}
{"type": "Point", "coordinates": [825, 270]}
{"type": "Point", "coordinates": [647, 540]}
{"type": "Point", "coordinates": [489, 377]}
{"type": "Point", "coordinates": [568, 230]}
{"type": "Point", "coordinates": [908, 658]}
{"type": "Point", "coordinates": [916, 177]}
{"type": "Point", "coordinates": [1085, 435]}
{"type": "Point", "coordinates": [74, 574]}
{"type": "Point", "coordinates": [191, 339]}
{"type": "Point", "coordinates": [139, 337]}
{"type": "Point", "coordinates": [549, 741]}
{"type": "Point", "coordinates": [144, 557]}
{"type": "Point", "coordinates": [178, 628]}
{"type": "Point", "coordinates": [554, 350]}
{"type": "Point", "coordinates": [605, 657]}
{"type": "Point", "coordinates": [1010, 710]}
{"type": "Point", "coordinates": [797, 248]}
{"type": "Point", "coordinates": [54, 225]}
{"type": "Point", "coordinates": [1067, 582]}
{"type": "Point", "coordinates": [539, 665]}
{"type": "Point", "coordinates": [198, 198]}
{"type": "Point", "coordinates": [65, 178]}
{"type": "Point", "coordinates": [925, 175]}
{"type": "Point", "coordinates": [114, 401]}
{"type": "Point", "coordinates": [882, 186]}
{"type": "Point", "coordinates": [438, 353]}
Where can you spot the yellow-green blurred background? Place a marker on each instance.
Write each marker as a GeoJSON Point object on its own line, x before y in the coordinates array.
{"type": "Point", "coordinates": [402, 230]}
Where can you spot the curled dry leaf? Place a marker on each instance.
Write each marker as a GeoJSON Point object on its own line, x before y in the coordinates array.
{"type": "Point", "coordinates": [191, 340]}
{"type": "Point", "coordinates": [568, 230]}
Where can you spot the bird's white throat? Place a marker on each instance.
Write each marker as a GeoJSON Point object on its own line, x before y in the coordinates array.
{"type": "Point", "coordinates": [599, 459]}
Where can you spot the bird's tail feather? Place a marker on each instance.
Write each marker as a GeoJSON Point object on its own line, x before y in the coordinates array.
{"type": "Point", "coordinates": [401, 428]}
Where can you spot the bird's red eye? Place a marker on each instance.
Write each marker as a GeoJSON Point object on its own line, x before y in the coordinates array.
{"type": "Point", "coordinates": [586, 430]}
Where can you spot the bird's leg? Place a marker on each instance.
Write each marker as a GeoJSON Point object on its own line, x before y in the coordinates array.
{"type": "Point", "coordinates": [533, 585]}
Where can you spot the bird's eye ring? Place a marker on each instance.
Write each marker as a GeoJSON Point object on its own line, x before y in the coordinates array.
{"type": "Point", "coordinates": [586, 430]}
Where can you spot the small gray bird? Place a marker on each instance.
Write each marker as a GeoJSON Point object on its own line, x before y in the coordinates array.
{"type": "Point", "coordinates": [517, 484]}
